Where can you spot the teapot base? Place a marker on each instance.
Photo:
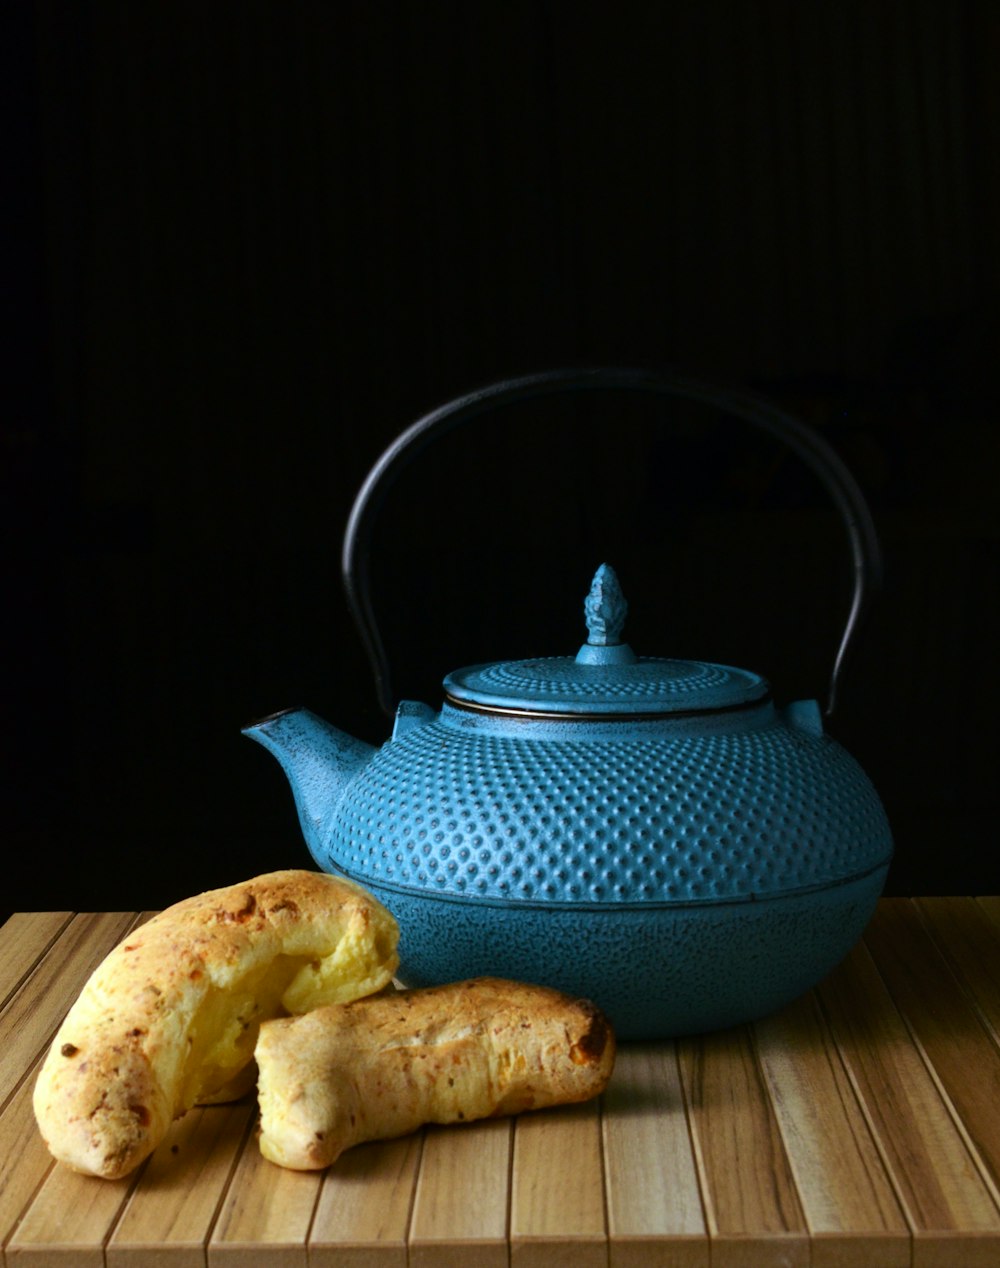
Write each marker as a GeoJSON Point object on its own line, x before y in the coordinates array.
{"type": "Point", "coordinates": [659, 973]}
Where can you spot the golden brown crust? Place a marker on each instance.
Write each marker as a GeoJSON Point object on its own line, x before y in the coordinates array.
{"type": "Point", "coordinates": [170, 1017]}
{"type": "Point", "coordinates": [383, 1066]}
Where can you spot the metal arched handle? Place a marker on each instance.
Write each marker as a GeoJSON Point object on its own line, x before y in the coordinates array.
{"type": "Point", "coordinates": [806, 443]}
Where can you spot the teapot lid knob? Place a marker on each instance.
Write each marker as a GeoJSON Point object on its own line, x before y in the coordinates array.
{"type": "Point", "coordinates": [605, 609]}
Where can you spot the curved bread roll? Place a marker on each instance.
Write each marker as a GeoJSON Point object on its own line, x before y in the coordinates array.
{"type": "Point", "coordinates": [383, 1066]}
{"type": "Point", "coordinates": [171, 1016]}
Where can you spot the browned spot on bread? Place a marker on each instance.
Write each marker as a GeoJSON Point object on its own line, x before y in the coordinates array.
{"type": "Point", "coordinates": [589, 1048]}
{"type": "Point", "coordinates": [248, 908]}
{"type": "Point", "coordinates": [141, 1113]}
{"type": "Point", "coordinates": [69, 1049]}
{"type": "Point", "coordinates": [224, 915]}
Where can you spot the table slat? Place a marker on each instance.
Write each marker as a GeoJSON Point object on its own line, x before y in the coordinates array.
{"type": "Point", "coordinates": [171, 1210]}
{"type": "Point", "coordinates": [949, 1029]}
{"type": "Point", "coordinates": [970, 941]}
{"type": "Point", "coordinates": [363, 1216]}
{"type": "Point", "coordinates": [461, 1199]}
{"type": "Point", "coordinates": [752, 1210]}
{"type": "Point", "coordinates": [67, 1223]}
{"type": "Point", "coordinates": [267, 1211]}
{"type": "Point", "coordinates": [847, 1198]}
{"type": "Point", "coordinates": [24, 939]}
{"type": "Point", "coordinates": [655, 1217]}
{"type": "Point", "coordinates": [557, 1213]}
{"type": "Point", "coordinates": [991, 905]}
{"type": "Point", "coordinates": [28, 1159]}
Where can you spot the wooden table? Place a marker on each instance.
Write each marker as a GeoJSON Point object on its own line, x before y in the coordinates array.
{"type": "Point", "coordinates": [861, 1126]}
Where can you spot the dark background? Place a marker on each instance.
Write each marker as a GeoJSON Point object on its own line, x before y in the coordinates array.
{"type": "Point", "coordinates": [250, 243]}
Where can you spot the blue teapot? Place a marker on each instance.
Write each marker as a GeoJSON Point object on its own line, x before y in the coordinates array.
{"type": "Point", "coordinates": [658, 835]}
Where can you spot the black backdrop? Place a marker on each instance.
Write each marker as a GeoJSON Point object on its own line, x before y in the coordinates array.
{"type": "Point", "coordinates": [252, 242]}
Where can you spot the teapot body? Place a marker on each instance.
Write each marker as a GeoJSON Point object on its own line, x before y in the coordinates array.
{"type": "Point", "coordinates": [685, 872]}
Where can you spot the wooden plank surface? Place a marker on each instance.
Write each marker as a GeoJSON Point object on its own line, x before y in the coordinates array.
{"type": "Point", "coordinates": [363, 1215]}
{"type": "Point", "coordinates": [969, 940]}
{"type": "Point", "coordinates": [266, 1211]}
{"type": "Point", "coordinates": [857, 1128]}
{"type": "Point", "coordinates": [947, 1204]}
{"type": "Point", "coordinates": [949, 1029]}
{"type": "Point", "coordinates": [24, 939]}
{"type": "Point", "coordinates": [170, 1213]}
{"type": "Point", "coordinates": [991, 905]}
{"type": "Point", "coordinates": [68, 1220]}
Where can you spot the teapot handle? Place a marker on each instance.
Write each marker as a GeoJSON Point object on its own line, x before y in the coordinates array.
{"type": "Point", "coordinates": [809, 445]}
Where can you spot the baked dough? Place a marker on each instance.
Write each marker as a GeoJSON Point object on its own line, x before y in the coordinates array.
{"type": "Point", "coordinates": [382, 1066]}
{"type": "Point", "coordinates": [171, 1016]}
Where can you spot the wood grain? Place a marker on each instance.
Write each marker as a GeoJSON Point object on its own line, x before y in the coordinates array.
{"type": "Point", "coordinates": [557, 1195]}
{"type": "Point", "coordinates": [461, 1198]}
{"type": "Point", "coordinates": [969, 940]}
{"type": "Point", "coordinates": [28, 1159]}
{"type": "Point", "coordinates": [948, 1028]}
{"type": "Point", "coordinates": [752, 1209]}
{"type": "Point", "coordinates": [363, 1216]}
{"type": "Point", "coordinates": [266, 1211]}
{"type": "Point", "coordinates": [846, 1195]}
{"type": "Point", "coordinates": [991, 905]}
{"type": "Point", "coordinates": [69, 1220]}
{"type": "Point", "coordinates": [654, 1207]}
{"type": "Point", "coordinates": [24, 939]}
{"type": "Point", "coordinates": [170, 1212]}
{"type": "Point", "coordinates": [944, 1197]}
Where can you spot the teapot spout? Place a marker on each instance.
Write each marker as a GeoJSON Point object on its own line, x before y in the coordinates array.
{"type": "Point", "coordinates": [320, 762]}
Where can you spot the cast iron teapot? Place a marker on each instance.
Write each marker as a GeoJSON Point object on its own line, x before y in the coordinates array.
{"type": "Point", "coordinates": [658, 835]}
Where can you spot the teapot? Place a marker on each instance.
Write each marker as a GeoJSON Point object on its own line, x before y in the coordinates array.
{"type": "Point", "coordinates": [656, 834]}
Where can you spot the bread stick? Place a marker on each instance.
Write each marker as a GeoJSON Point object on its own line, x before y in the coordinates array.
{"type": "Point", "coordinates": [382, 1066]}
{"type": "Point", "coordinates": [170, 1017]}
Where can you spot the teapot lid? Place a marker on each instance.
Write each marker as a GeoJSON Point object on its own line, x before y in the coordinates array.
{"type": "Point", "coordinates": [606, 678]}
